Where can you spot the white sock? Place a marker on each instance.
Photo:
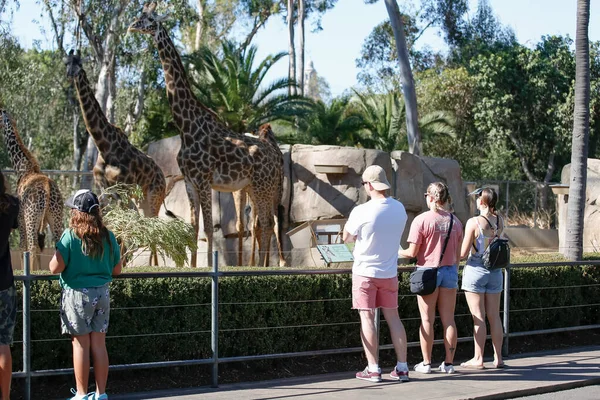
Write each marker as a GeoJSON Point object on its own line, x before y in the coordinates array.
{"type": "Point", "coordinates": [401, 366]}
{"type": "Point", "coordinates": [373, 367]}
{"type": "Point", "coordinates": [98, 395]}
{"type": "Point", "coordinates": [80, 397]}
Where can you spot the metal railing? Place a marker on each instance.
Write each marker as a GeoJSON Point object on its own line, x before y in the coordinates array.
{"type": "Point", "coordinates": [215, 360]}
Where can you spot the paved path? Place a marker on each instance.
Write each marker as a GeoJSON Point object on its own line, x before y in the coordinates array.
{"type": "Point", "coordinates": [525, 375]}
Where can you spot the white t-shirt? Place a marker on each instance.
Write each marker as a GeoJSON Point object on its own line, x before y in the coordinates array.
{"type": "Point", "coordinates": [378, 225]}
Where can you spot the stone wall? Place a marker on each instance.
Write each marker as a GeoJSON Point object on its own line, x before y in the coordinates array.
{"type": "Point", "coordinates": [311, 195]}
{"type": "Point", "coordinates": [591, 232]}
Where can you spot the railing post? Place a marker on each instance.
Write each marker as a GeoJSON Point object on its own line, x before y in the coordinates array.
{"type": "Point", "coordinates": [506, 311]}
{"type": "Point", "coordinates": [26, 324]}
{"type": "Point", "coordinates": [215, 319]}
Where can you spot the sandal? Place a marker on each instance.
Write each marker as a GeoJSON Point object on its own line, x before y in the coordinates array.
{"type": "Point", "coordinates": [471, 366]}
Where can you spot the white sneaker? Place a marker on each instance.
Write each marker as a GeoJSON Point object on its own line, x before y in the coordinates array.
{"type": "Point", "coordinates": [448, 369]}
{"type": "Point", "coordinates": [422, 368]}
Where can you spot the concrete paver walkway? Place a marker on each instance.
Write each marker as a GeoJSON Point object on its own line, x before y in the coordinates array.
{"type": "Point", "coordinates": [525, 374]}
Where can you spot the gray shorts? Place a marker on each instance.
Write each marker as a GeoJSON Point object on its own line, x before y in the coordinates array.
{"type": "Point", "coordinates": [85, 310]}
{"type": "Point", "coordinates": [478, 279]}
{"type": "Point", "coordinates": [8, 314]}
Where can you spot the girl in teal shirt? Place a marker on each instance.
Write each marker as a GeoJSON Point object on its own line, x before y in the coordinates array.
{"type": "Point", "coordinates": [87, 257]}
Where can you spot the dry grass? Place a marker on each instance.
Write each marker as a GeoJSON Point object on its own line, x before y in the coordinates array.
{"type": "Point", "coordinates": [544, 219]}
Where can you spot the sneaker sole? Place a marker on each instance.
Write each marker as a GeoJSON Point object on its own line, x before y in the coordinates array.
{"type": "Point", "coordinates": [370, 379]}
{"type": "Point", "coordinates": [423, 372]}
{"type": "Point", "coordinates": [397, 378]}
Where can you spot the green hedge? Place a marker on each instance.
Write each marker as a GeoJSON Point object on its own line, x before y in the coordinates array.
{"type": "Point", "coordinates": [277, 314]}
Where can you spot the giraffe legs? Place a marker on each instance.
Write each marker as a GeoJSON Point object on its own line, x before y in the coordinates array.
{"type": "Point", "coordinates": [239, 198]}
{"type": "Point", "coordinates": [194, 215]}
{"type": "Point", "coordinates": [205, 200]}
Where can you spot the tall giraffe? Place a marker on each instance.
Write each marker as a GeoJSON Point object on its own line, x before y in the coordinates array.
{"type": "Point", "coordinates": [118, 160]}
{"type": "Point", "coordinates": [40, 197]}
{"type": "Point", "coordinates": [212, 155]}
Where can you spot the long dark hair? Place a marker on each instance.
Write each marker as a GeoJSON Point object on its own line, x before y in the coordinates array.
{"type": "Point", "coordinates": [91, 230]}
{"type": "Point", "coordinates": [4, 198]}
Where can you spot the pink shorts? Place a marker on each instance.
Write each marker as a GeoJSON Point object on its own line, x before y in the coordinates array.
{"type": "Point", "coordinates": [369, 293]}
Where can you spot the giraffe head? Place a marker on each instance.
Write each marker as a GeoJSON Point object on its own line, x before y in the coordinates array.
{"type": "Point", "coordinates": [73, 63]}
{"type": "Point", "coordinates": [148, 22]}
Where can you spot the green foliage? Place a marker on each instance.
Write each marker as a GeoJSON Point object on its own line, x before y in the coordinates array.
{"type": "Point", "coordinates": [160, 319]}
{"type": "Point", "coordinates": [34, 94]}
{"type": "Point", "coordinates": [172, 238]}
{"type": "Point", "coordinates": [230, 84]}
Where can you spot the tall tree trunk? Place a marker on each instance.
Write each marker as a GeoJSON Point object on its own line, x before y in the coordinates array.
{"type": "Point", "coordinates": [134, 116]}
{"type": "Point", "coordinates": [291, 46]}
{"type": "Point", "coordinates": [581, 130]}
{"type": "Point", "coordinates": [200, 26]}
{"type": "Point", "coordinates": [408, 85]}
{"type": "Point", "coordinates": [301, 17]}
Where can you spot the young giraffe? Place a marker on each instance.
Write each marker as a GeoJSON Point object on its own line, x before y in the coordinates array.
{"type": "Point", "coordinates": [265, 133]}
{"type": "Point", "coordinates": [40, 197]}
{"type": "Point", "coordinates": [211, 155]}
{"type": "Point", "coordinates": [118, 160]}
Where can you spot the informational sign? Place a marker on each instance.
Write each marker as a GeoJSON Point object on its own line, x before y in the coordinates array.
{"type": "Point", "coordinates": [333, 253]}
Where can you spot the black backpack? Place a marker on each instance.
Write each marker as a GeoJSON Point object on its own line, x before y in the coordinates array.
{"type": "Point", "coordinates": [497, 253]}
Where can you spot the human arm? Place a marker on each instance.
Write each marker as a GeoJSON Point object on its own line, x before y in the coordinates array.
{"type": "Point", "coordinates": [117, 268]}
{"type": "Point", "coordinates": [411, 252]}
{"type": "Point", "coordinates": [347, 237]}
{"type": "Point", "coordinates": [468, 239]}
{"type": "Point", "coordinates": [57, 264]}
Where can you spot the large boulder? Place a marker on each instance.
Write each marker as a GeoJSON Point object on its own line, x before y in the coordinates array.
{"type": "Point", "coordinates": [591, 227]}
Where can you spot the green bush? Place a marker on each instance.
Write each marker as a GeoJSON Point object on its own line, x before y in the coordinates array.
{"type": "Point", "coordinates": [160, 319]}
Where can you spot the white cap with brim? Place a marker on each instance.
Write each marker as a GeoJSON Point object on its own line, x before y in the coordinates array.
{"type": "Point", "coordinates": [375, 175]}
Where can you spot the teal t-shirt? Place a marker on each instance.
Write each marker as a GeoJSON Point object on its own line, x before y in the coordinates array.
{"type": "Point", "coordinates": [83, 271]}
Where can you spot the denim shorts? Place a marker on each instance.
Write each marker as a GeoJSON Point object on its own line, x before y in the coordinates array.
{"type": "Point", "coordinates": [85, 310]}
{"type": "Point", "coordinates": [447, 277]}
{"type": "Point", "coordinates": [478, 279]}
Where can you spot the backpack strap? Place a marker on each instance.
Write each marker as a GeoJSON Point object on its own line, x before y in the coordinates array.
{"type": "Point", "coordinates": [447, 238]}
{"type": "Point", "coordinates": [494, 227]}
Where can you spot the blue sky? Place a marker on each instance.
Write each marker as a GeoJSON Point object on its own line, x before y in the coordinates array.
{"type": "Point", "coordinates": [335, 49]}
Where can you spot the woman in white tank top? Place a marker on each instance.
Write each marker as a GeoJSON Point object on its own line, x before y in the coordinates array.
{"type": "Point", "coordinates": [483, 287]}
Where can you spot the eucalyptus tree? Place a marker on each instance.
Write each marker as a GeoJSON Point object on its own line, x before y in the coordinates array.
{"type": "Point", "coordinates": [581, 128]}
{"type": "Point", "coordinates": [407, 82]}
{"type": "Point", "coordinates": [230, 84]}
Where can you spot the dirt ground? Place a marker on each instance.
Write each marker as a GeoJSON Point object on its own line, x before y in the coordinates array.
{"type": "Point", "coordinates": [184, 377]}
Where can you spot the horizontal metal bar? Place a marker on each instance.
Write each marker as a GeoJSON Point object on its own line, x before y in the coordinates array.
{"type": "Point", "coordinates": [554, 330]}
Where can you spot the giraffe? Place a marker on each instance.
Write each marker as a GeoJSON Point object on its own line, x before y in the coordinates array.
{"type": "Point", "coordinates": [265, 133]}
{"type": "Point", "coordinates": [212, 155]}
{"type": "Point", "coordinates": [41, 202]}
{"type": "Point", "coordinates": [118, 160]}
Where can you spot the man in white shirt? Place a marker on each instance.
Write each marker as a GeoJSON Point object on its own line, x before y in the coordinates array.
{"type": "Point", "coordinates": [377, 226]}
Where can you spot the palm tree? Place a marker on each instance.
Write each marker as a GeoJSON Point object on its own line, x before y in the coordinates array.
{"type": "Point", "coordinates": [384, 121]}
{"type": "Point", "coordinates": [581, 131]}
{"type": "Point", "coordinates": [228, 84]}
{"type": "Point", "coordinates": [331, 124]}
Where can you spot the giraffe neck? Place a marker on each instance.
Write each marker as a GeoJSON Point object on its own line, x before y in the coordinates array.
{"type": "Point", "coordinates": [22, 160]}
{"type": "Point", "coordinates": [185, 107]}
{"type": "Point", "coordinates": [95, 120]}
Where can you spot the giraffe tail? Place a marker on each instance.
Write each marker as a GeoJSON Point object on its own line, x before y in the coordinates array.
{"type": "Point", "coordinates": [41, 240]}
{"type": "Point", "coordinates": [42, 232]}
{"type": "Point", "coordinates": [170, 186]}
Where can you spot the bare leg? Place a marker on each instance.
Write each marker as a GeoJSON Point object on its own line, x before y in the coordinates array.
{"type": "Point", "coordinates": [81, 362]}
{"type": "Point", "coordinates": [476, 302]}
{"type": "Point", "coordinates": [492, 307]}
{"type": "Point", "coordinates": [5, 371]}
{"type": "Point", "coordinates": [397, 332]}
{"type": "Point", "coordinates": [368, 334]}
{"type": "Point", "coordinates": [446, 304]}
{"type": "Point", "coordinates": [427, 311]}
{"type": "Point", "coordinates": [100, 356]}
